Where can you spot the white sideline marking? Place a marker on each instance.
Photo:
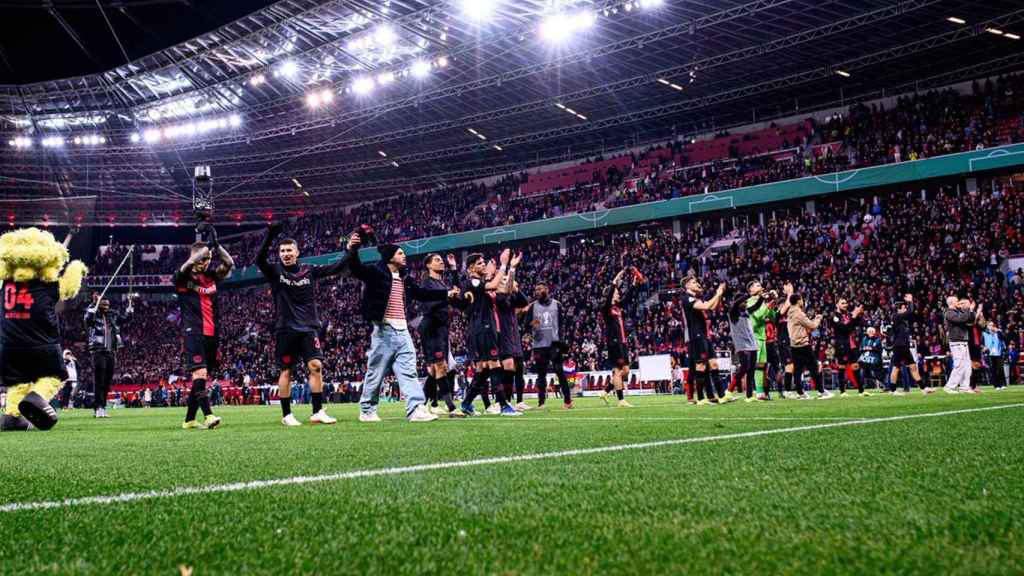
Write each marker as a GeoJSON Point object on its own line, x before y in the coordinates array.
{"type": "Point", "coordinates": [257, 484]}
{"type": "Point", "coordinates": [665, 419]}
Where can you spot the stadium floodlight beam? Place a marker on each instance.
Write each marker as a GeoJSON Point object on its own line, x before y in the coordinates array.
{"type": "Point", "coordinates": [385, 78]}
{"type": "Point", "coordinates": [420, 69]}
{"type": "Point", "coordinates": [135, 137]}
{"type": "Point", "coordinates": [478, 10]}
{"type": "Point", "coordinates": [235, 120]}
{"type": "Point", "coordinates": [313, 100]}
{"type": "Point", "coordinates": [363, 86]}
{"type": "Point", "coordinates": [956, 20]}
{"type": "Point", "coordinates": [288, 69]}
{"type": "Point", "coordinates": [384, 35]}
{"type": "Point", "coordinates": [557, 28]}
{"type": "Point", "coordinates": [1011, 36]}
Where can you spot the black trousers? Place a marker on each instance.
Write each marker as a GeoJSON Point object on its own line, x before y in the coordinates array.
{"type": "Point", "coordinates": [103, 377]}
{"type": "Point", "coordinates": [998, 378]}
{"type": "Point", "coordinates": [550, 358]}
{"type": "Point", "coordinates": [803, 359]}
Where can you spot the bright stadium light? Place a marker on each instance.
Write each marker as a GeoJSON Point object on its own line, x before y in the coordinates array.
{"type": "Point", "coordinates": [1011, 36]}
{"type": "Point", "coordinates": [235, 120]}
{"type": "Point", "coordinates": [384, 35]}
{"type": "Point", "coordinates": [995, 31]}
{"type": "Point", "coordinates": [152, 136]}
{"type": "Point", "coordinates": [363, 85]}
{"type": "Point", "coordinates": [956, 20]}
{"type": "Point", "coordinates": [313, 100]}
{"type": "Point", "coordinates": [442, 61]}
{"type": "Point", "coordinates": [385, 78]}
{"type": "Point", "coordinates": [257, 79]}
{"type": "Point", "coordinates": [135, 137]}
{"type": "Point", "coordinates": [843, 73]}
{"type": "Point", "coordinates": [420, 69]}
{"type": "Point", "coordinates": [478, 10]}
{"type": "Point", "coordinates": [288, 69]}
{"type": "Point", "coordinates": [557, 28]}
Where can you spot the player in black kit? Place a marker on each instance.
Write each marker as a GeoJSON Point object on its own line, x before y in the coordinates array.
{"type": "Point", "coordinates": [484, 328]}
{"type": "Point", "coordinates": [434, 338]}
{"type": "Point", "coordinates": [195, 285]}
{"type": "Point", "coordinates": [902, 356]}
{"type": "Point", "coordinates": [510, 342]}
{"type": "Point", "coordinates": [698, 344]}
{"type": "Point", "coordinates": [616, 298]}
{"type": "Point", "coordinates": [297, 328]}
{"type": "Point", "coordinates": [844, 328]}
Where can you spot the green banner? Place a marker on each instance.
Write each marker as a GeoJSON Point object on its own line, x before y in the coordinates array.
{"type": "Point", "coordinates": [963, 164]}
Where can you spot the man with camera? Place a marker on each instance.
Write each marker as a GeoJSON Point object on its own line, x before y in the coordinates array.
{"type": "Point", "coordinates": [297, 327]}
{"type": "Point", "coordinates": [195, 285]}
{"type": "Point", "coordinates": [385, 287]}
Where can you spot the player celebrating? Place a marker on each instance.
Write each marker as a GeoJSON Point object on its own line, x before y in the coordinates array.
{"type": "Point", "coordinates": [698, 344]}
{"type": "Point", "coordinates": [745, 345]}
{"type": "Point", "coordinates": [510, 339]}
{"type": "Point", "coordinates": [844, 328]}
{"type": "Point", "coordinates": [761, 311]}
{"type": "Point", "coordinates": [800, 328]}
{"type": "Point", "coordinates": [484, 329]}
{"type": "Point", "coordinates": [902, 357]}
{"type": "Point", "coordinates": [544, 317]}
{"type": "Point", "coordinates": [617, 296]}
{"type": "Point", "coordinates": [433, 331]}
{"type": "Point", "coordinates": [297, 328]}
{"type": "Point", "coordinates": [195, 285]}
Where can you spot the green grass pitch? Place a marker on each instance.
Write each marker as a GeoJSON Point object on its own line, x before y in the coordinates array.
{"type": "Point", "coordinates": [933, 495]}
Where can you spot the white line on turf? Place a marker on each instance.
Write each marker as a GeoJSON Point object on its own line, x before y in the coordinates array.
{"type": "Point", "coordinates": [666, 419]}
{"type": "Point", "coordinates": [297, 480]}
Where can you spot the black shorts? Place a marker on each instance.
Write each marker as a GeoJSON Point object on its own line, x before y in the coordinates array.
{"type": "Point", "coordinates": [847, 355]}
{"type": "Point", "coordinates": [201, 352]}
{"type": "Point", "coordinates": [773, 354]}
{"type": "Point", "coordinates": [510, 345]}
{"type": "Point", "coordinates": [27, 365]}
{"type": "Point", "coordinates": [974, 350]}
{"type": "Point", "coordinates": [698, 351]}
{"type": "Point", "coordinates": [435, 345]}
{"type": "Point", "coordinates": [482, 346]}
{"type": "Point", "coordinates": [785, 353]}
{"type": "Point", "coordinates": [901, 356]}
{"type": "Point", "coordinates": [618, 356]}
{"type": "Point", "coordinates": [547, 358]}
{"type": "Point", "coordinates": [290, 346]}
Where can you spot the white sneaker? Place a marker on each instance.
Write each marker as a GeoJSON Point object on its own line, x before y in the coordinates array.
{"type": "Point", "coordinates": [523, 407]}
{"type": "Point", "coordinates": [421, 414]}
{"type": "Point", "coordinates": [321, 417]}
{"type": "Point", "coordinates": [899, 393]}
{"type": "Point", "coordinates": [439, 411]}
{"type": "Point", "coordinates": [951, 390]}
{"type": "Point", "coordinates": [371, 417]}
{"type": "Point", "coordinates": [494, 408]}
{"type": "Point", "coordinates": [290, 420]}
{"type": "Point", "coordinates": [826, 395]}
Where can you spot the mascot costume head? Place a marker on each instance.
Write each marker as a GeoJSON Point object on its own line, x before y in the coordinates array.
{"type": "Point", "coordinates": [36, 276]}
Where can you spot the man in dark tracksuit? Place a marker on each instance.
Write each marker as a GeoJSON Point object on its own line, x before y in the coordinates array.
{"type": "Point", "coordinates": [103, 331]}
{"type": "Point", "coordinates": [902, 336]}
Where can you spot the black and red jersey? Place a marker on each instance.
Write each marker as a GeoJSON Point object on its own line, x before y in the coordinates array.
{"type": "Point", "coordinates": [482, 313]}
{"type": "Point", "coordinates": [30, 314]}
{"type": "Point", "coordinates": [696, 320]}
{"type": "Point", "coordinates": [612, 315]}
{"type": "Point", "coordinates": [844, 327]}
{"type": "Point", "coordinates": [197, 298]}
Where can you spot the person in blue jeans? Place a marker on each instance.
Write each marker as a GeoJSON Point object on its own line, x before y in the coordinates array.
{"type": "Point", "coordinates": [386, 285]}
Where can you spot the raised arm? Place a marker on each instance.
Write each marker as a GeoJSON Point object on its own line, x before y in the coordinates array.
{"type": "Point", "coordinates": [263, 256]}
{"type": "Point", "coordinates": [227, 263]}
{"type": "Point", "coordinates": [713, 302]}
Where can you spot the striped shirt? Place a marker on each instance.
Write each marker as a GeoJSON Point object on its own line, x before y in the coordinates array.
{"type": "Point", "coordinates": [394, 314]}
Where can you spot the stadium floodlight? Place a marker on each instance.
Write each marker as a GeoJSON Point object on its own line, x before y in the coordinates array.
{"type": "Point", "coordinates": [557, 28]}
{"type": "Point", "coordinates": [478, 10]}
{"type": "Point", "coordinates": [420, 69]}
{"type": "Point", "coordinates": [384, 35]}
{"type": "Point", "coordinates": [1011, 36]}
{"type": "Point", "coordinates": [843, 73]}
{"type": "Point", "coordinates": [628, 6]}
{"type": "Point", "coordinates": [385, 78]}
{"type": "Point", "coordinates": [100, 140]}
{"type": "Point", "coordinates": [288, 69]}
{"type": "Point", "coordinates": [498, 148]}
{"type": "Point", "coordinates": [235, 120]}
{"type": "Point", "coordinates": [382, 153]}
{"type": "Point", "coordinates": [956, 20]}
{"type": "Point", "coordinates": [135, 137]}
{"type": "Point", "coordinates": [78, 140]}
{"type": "Point", "coordinates": [442, 61]}
{"type": "Point", "coordinates": [152, 136]}
{"type": "Point", "coordinates": [257, 79]}
{"type": "Point", "coordinates": [995, 31]}
{"type": "Point", "coordinates": [313, 99]}
{"type": "Point", "coordinates": [363, 86]}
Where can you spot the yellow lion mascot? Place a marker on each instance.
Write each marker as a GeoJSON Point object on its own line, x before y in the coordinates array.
{"type": "Point", "coordinates": [31, 367]}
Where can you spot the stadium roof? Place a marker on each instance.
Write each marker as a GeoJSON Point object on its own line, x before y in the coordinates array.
{"type": "Point", "coordinates": [356, 98]}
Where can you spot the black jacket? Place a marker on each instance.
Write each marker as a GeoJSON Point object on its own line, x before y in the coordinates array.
{"type": "Point", "coordinates": [376, 280]}
{"type": "Point", "coordinates": [104, 336]}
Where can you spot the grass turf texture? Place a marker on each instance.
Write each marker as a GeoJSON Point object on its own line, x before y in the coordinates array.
{"type": "Point", "coordinates": [927, 495]}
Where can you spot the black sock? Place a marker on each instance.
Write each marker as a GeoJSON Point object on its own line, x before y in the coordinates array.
{"type": "Point", "coordinates": [520, 381]}
{"type": "Point", "coordinates": [430, 389]}
{"type": "Point", "coordinates": [444, 390]}
{"type": "Point", "coordinates": [201, 395]}
{"type": "Point", "coordinates": [563, 384]}
{"type": "Point", "coordinates": [497, 387]}
{"type": "Point", "coordinates": [609, 387]}
{"type": "Point", "coordinates": [542, 388]}
{"type": "Point", "coordinates": [508, 383]}
{"type": "Point", "coordinates": [286, 406]}
{"type": "Point", "coordinates": [476, 387]}
{"type": "Point", "coordinates": [620, 395]}
{"type": "Point", "coordinates": [787, 381]}
{"type": "Point", "coordinates": [318, 401]}
{"type": "Point", "coordinates": [192, 404]}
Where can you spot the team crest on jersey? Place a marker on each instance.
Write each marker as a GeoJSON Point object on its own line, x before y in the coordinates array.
{"type": "Point", "coordinates": [439, 355]}
{"type": "Point", "coordinates": [494, 351]}
{"type": "Point", "coordinates": [197, 358]}
{"type": "Point", "coordinates": [286, 359]}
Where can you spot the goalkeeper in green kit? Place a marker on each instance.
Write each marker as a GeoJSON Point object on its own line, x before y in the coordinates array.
{"type": "Point", "coordinates": [761, 309]}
